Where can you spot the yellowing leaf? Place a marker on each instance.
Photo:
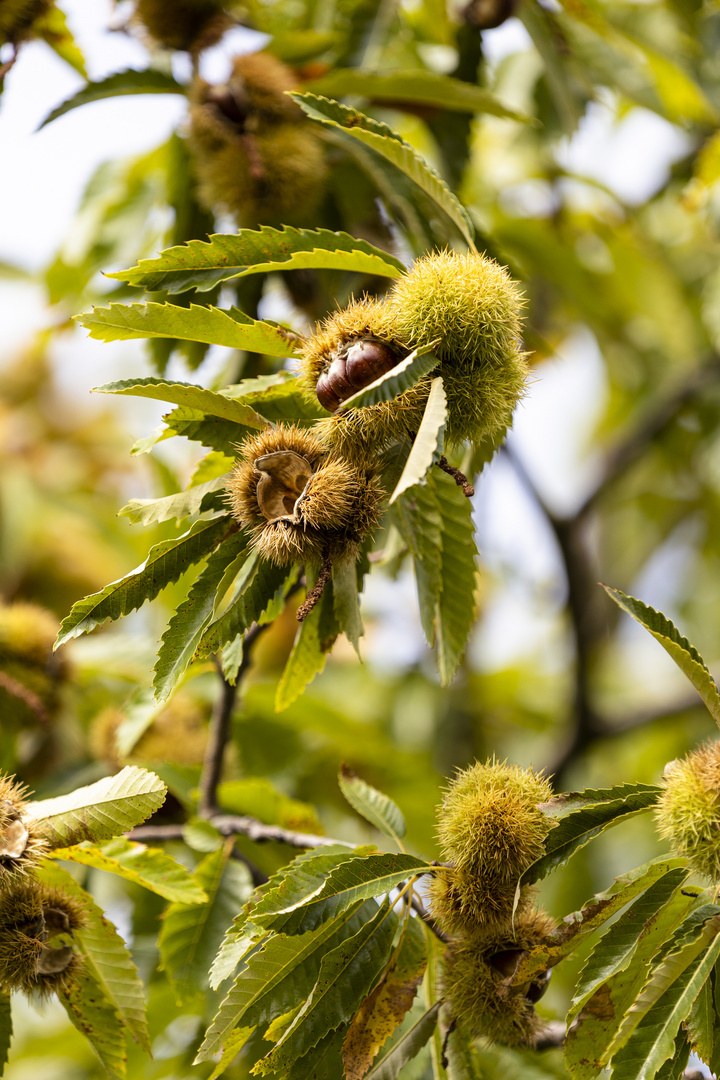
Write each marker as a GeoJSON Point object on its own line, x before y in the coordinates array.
{"type": "Point", "coordinates": [383, 1011]}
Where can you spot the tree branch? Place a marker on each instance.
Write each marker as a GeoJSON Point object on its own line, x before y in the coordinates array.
{"type": "Point", "coordinates": [220, 729]}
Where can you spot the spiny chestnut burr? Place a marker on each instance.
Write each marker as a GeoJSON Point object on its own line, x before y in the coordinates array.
{"type": "Point", "coordinates": [300, 502]}
{"type": "Point", "coordinates": [688, 810]}
{"type": "Point", "coordinates": [21, 849]}
{"type": "Point", "coordinates": [478, 980]}
{"type": "Point", "coordinates": [35, 955]}
{"type": "Point", "coordinates": [356, 365]}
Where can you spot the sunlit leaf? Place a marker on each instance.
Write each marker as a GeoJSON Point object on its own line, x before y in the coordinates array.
{"type": "Point", "coordinates": [428, 444]}
{"type": "Point", "coordinates": [166, 562]}
{"type": "Point", "coordinates": [375, 807]}
{"type": "Point", "coordinates": [188, 395]}
{"type": "Point", "coordinates": [95, 1017]}
{"type": "Point", "coordinates": [233, 329]}
{"type": "Point", "coordinates": [202, 264]}
{"type": "Point", "coordinates": [99, 811]}
{"type": "Point", "coordinates": [685, 655]}
{"type": "Point", "coordinates": [146, 866]}
{"type": "Point", "coordinates": [181, 505]}
{"type": "Point", "coordinates": [149, 81]}
{"type": "Point", "coordinates": [385, 142]}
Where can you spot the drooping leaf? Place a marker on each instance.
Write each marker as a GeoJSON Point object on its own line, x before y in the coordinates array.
{"type": "Point", "coordinates": [652, 1040]}
{"type": "Point", "coordinates": [428, 445]}
{"type": "Point", "coordinates": [578, 827]}
{"type": "Point", "coordinates": [191, 933]}
{"type": "Point", "coordinates": [188, 395]}
{"type": "Point", "coordinates": [614, 950]}
{"type": "Point", "coordinates": [416, 87]}
{"type": "Point", "coordinates": [346, 603]}
{"type": "Point", "coordinates": [181, 505]}
{"type": "Point", "coordinates": [396, 381]}
{"type": "Point", "coordinates": [385, 142]}
{"type": "Point", "coordinates": [685, 655]}
{"type": "Point", "coordinates": [307, 658]}
{"type": "Point", "coordinates": [106, 958]}
{"type": "Point", "coordinates": [146, 866]}
{"type": "Point", "coordinates": [421, 526]}
{"type": "Point", "coordinates": [185, 630]}
{"type": "Point", "coordinates": [577, 926]}
{"type": "Point", "coordinates": [166, 562]}
{"type": "Point", "coordinates": [231, 1049]}
{"type": "Point", "coordinates": [279, 397]}
{"type": "Point", "coordinates": [347, 974]}
{"type": "Point", "coordinates": [675, 1065]}
{"type": "Point", "coordinates": [412, 1042]}
{"type": "Point", "coordinates": [384, 1010]}
{"type": "Point", "coordinates": [280, 975]}
{"type": "Point", "coordinates": [324, 1061]}
{"type": "Point", "coordinates": [95, 1017]}
{"type": "Point", "coordinates": [6, 1029]}
{"type": "Point", "coordinates": [215, 432]}
{"type": "Point", "coordinates": [371, 804]}
{"type": "Point", "coordinates": [355, 879]}
{"type": "Point", "coordinates": [202, 264]}
{"type": "Point", "coordinates": [100, 811]}
{"type": "Point", "coordinates": [214, 326]}
{"type": "Point", "coordinates": [297, 882]}
{"type": "Point", "coordinates": [149, 81]}
{"type": "Point", "coordinates": [702, 1024]}
{"type": "Point", "coordinates": [259, 585]}
{"type": "Point", "coordinates": [456, 605]}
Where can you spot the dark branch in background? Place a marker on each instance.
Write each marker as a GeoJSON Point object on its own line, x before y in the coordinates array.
{"type": "Point", "coordinates": [584, 598]}
{"type": "Point", "coordinates": [220, 728]}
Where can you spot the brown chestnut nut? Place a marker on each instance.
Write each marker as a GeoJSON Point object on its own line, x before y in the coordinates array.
{"type": "Point", "coordinates": [506, 961]}
{"type": "Point", "coordinates": [366, 361]}
{"type": "Point", "coordinates": [326, 394]}
{"type": "Point", "coordinates": [284, 476]}
{"type": "Point", "coordinates": [360, 363]}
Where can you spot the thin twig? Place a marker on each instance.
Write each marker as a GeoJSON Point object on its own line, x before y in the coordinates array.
{"type": "Point", "coordinates": [418, 906]}
{"type": "Point", "coordinates": [458, 476]}
{"type": "Point", "coordinates": [234, 825]}
{"type": "Point", "coordinates": [220, 729]}
{"type": "Point", "coordinates": [313, 597]}
{"type": "Point", "coordinates": [18, 690]}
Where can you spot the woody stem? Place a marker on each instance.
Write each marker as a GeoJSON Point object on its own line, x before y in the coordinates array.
{"type": "Point", "coordinates": [459, 477]}
{"type": "Point", "coordinates": [317, 590]}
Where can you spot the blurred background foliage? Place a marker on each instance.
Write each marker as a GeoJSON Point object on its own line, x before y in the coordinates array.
{"type": "Point", "coordinates": [590, 164]}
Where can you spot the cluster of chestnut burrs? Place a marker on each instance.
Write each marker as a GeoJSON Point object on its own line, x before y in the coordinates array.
{"type": "Point", "coordinates": [313, 494]}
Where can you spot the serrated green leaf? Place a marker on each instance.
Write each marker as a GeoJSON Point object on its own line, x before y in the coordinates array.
{"type": "Point", "coordinates": [149, 867]}
{"type": "Point", "coordinates": [652, 1040]}
{"type": "Point", "coordinates": [428, 444]}
{"type": "Point", "coordinates": [324, 1061]}
{"type": "Point", "coordinates": [456, 605]}
{"type": "Point", "coordinates": [259, 585]}
{"type": "Point", "coordinates": [416, 87]}
{"type": "Point", "coordinates": [280, 975]}
{"type": "Point", "coordinates": [675, 1065]}
{"type": "Point", "coordinates": [685, 655]}
{"type": "Point", "coordinates": [383, 141]}
{"type": "Point", "coordinates": [188, 395]}
{"type": "Point", "coordinates": [297, 882]}
{"type": "Point", "coordinates": [149, 81]}
{"type": "Point", "coordinates": [182, 638]}
{"type": "Point", "coordinates": [354, 879]}
{"type": "Point", "coordinates": [175, 507]}
{"type": "Point", "coordinates": [396, 381]}
{"type": "Point", "coordinates": [6, 1030]}
{"type": "Point", "coordinates": [202, 264]}
{"type": "Point", "coordinates": [408, 1047]}
{"type": "Point", "coordinates": [166, 562]}
{"type": "Point", "coordinates": [347, 974]}
{"type": "Point", "coordinates": [371, 804]}
{"type": "Point", "coordinates": [306, 660]}
{"type": "Point", "coordinates": [701, 1023]}
{"type": "Point", "coordinates": [220, 435]}
{"type": "Point", "coordinates": [386, 1007]}
{"type": "Point", "coordinates": [421, 526]}
{"type": "Point", "coordinates": [280, 398]}
{"type": "Point", "coordinates": [615, 949]}
{"type": "Point", "coordinates": [579, 827]}
{"type": "Point", "coordinates": [191, 934]}
{"type": "Point", "coordinates": [106, 959]}
{"type": "Point", "coordinates": [94, 1016]}
{"type": "Point", "coordinates": [578, 925]}
{"type": "Point", "coordinates": [214, 326]}
{"type": "Point", "coordinates": [346, 603]}
{"type": "Point", "coordinates": [235, 945]}
{"type": "Point", "coordinates": [100, 811]}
